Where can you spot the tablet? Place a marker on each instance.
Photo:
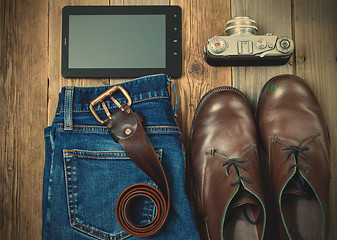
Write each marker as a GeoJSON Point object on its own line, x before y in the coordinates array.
{"type": "Point", "coordinates": [121, 41]}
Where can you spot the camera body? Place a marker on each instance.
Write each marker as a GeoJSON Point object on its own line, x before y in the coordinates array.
{"type": "Point", "coordinates": [242, 47]}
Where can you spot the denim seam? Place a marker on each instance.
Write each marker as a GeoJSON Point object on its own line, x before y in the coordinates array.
{"type": "Point", "coordinates": [103, 127]}
{"type": "Point", "coordinates": [115, 107]}
{"type": "Point", "coordinates": [105, 130]}
{"type": "Point", "coordinates": [150, 206]}
{"type": "Point", "coordinates": [68, 108]}
{"type": "Point", "coordinates": [65, 108]}
{"type": "Point", "coordinates": [104, 157]}
{"type": "Point", "coordinates": [46, 227]}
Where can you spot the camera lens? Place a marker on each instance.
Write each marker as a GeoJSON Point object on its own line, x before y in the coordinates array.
{"type": "Point", "coordinates": [241, 26]}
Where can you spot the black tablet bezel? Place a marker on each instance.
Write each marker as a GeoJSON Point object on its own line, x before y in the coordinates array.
{"type": "Point", "coordinates": [173, 41]}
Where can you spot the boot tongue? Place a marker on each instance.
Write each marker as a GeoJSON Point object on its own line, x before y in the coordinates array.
{"type": "Point", "coordinates": [292, 189]}
{"type": "Point", "coordinates": [299, 187]}
{"type": "Point", "coordinates": [243, 197]}
{"type": "Point", "coordinates": [250, 206]}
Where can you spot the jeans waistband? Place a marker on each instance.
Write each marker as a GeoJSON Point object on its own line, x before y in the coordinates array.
{"type": "Point", "coordinates": [77, 99]}
{"type": "Point", "coordinates": [73, 98]}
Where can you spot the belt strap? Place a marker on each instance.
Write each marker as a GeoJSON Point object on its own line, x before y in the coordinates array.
{"type": "Point", "coordinates": [126, 128]}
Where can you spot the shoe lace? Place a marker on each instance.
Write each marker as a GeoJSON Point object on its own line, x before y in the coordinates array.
{"type": "Point", "coordinates": [238, 163]}
{"type": "Point", "coordinates": [297, 152]}
{"type": "Point", "coordinates": [298, 179]}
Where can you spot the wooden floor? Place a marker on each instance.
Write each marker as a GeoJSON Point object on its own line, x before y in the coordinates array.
{"type": "Point", "coordinates": [30, 79]}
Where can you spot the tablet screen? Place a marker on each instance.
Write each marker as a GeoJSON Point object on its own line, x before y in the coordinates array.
{"type": "Point", "coordinates": [128, 41]}
{"type": "Point", "coordinates": [141, 41]}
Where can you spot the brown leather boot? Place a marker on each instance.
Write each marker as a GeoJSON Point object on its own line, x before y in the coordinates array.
{"type": "Point", "coordinates": [296, 137]}
{"type": "Point", "coordinates": [226, 166]}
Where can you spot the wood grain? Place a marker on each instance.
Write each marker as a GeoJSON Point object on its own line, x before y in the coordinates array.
{"type": "Point", "coordinates": [315, 30]}
{"type": "Point", "coordinates": [23, 107]}
{"type": "Point", "coordinates": [30, 80]}
{"type": "Point", "coordinates": [201, 19]}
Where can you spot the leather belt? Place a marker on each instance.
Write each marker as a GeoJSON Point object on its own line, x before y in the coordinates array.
{"type": "Point", "coordinates": [126, 128]}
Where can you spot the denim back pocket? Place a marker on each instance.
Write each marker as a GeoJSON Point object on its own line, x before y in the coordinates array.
{"type": "Point", "coordinates": [94, 180]}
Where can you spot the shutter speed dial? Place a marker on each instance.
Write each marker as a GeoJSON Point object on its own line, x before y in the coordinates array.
{"type": "Point", "coordinates": [217, 45]}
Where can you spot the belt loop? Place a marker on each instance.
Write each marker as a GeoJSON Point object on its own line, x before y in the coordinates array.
{"type": "Point", "coordinates": [68, 108]}
{"type": "Point", "coordinates": [175, 109]}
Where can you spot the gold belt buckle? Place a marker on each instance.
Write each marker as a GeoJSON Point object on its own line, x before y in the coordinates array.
{"type": "Point", "coordinates": [108, 93]}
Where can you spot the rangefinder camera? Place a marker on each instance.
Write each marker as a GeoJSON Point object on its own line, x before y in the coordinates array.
{"type": "Point", "coordinates": [242, 47]}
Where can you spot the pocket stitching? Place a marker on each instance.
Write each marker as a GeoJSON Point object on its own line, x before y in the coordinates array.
{"type": "Point", "coordinates": [71, 202]}
{"type": "Point", "coordinates": [72, 186]}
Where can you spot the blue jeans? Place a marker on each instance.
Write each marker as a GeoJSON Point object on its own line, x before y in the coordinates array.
{"type": "Point", "coordinates": [86, 170]}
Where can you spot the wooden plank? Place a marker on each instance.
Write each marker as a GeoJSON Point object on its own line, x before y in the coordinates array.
{"type": "Point", "coordinates": [272, 16]}
{"type": "Point", "coordinates": [56, 81]}
{"type": "Point", "coordinates": [146, 2]}
{"type": "Point", "coordinates": [201, 19]}
{"type": "Point", "coordinates": [316, 37]}
{"type": "Point", "coordinates": [23, 94]}
{"type": "Point", "coordinates": [24, 71]}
